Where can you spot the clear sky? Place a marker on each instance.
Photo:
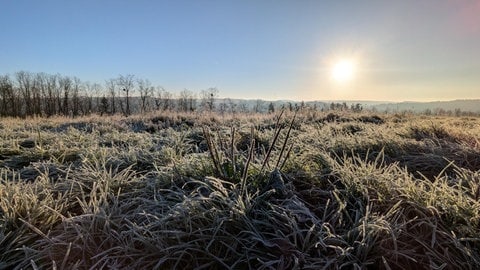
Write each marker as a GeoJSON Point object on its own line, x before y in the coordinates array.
{"type": "Point", "coordinates": [402, 50]}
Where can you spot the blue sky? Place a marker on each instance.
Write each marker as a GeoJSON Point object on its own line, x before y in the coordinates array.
{"type": "Point", "coordinates": [404, 50]}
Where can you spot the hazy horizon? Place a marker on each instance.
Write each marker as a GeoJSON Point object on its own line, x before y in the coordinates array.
{"type": "Point", "coordinates": [271, 50]}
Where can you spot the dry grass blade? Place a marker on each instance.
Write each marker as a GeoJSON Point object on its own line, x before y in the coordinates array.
{"type": "Point", "coordinates": [286, 156]}
{"type": "Point", "coordinates": [247, 163]}
{"type": "Point", "coordinates": [213, 151]}
{"type": "Point", "coordinates": [278, 129]}
{"type": "Point", "coordinates": [285, 141]}
{"type": "Point", "coordinates": [232, 151]}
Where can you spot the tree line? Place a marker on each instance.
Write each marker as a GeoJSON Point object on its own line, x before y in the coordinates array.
{"type": "Point", "coordinates": [28, 94]}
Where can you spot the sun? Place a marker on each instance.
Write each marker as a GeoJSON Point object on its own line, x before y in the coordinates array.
{"type": "Point", "coordinates": [343, 70]}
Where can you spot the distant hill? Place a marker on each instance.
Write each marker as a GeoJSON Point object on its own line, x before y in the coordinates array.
{"type": "Point", "coordinates": [467, 105]}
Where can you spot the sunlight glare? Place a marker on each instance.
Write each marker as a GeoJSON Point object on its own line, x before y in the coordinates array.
{"type": "Point", "coordinates": [343, 71]}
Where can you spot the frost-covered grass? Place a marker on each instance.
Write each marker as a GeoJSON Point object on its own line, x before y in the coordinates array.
{"type": "Point", "coordinates": [181, 191]}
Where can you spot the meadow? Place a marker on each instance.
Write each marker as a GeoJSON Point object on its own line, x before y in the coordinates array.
{"type": "Point", "coordinates": [306, 190]}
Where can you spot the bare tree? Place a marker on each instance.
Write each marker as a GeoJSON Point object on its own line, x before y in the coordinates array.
{"type": "Point", "coordinates": [41, 89]}
{"type": "Point", "coordinates": [186, 101]}
{"type": "Point", "coordinates": [208, 98]}
{"type": "Point", "coordinates": [37, 94]}
{"type": "Point", "coordinates": [271, 107]}
{"type": "Point", "coordinates": [65, 86]}
{"type": "Point", "coordinates": [76, 88]}
{"type": "Point", "coordinates": [8, 104]}
{"type": "Point", "coordinates": [183, 100]}
{"type": "Point", "coordinates": [223, 106]}
{"type": "Point", "coordinates": [258, 107]}
{"type": "Point", "coordinates": [111, 86]}
{"type": "Point", "coordinates": [243, 107]}
{"type": "Point", "coordinates": [51, 88]}
{"type": "Point", "coordinates": [25, 86]}
{"type": "Point", "coordinates": [146, 90]}
{"type": "Point", "coordinates": [103, 106]}
{"type": "Point", "coordinates": [126, 84]}
{"type": "Point", "coordinates": [87, 93]}
{"type": "Point", "coordinates": [57, 95]}
{"type": "Point", "coordinates": [232, 105]}
{"type": "Point", "coordinates": [192, 102]}
{"type": "Point", "coordinates": [96, 91]}
{"type": "Point", "coordinates": [164, 99]}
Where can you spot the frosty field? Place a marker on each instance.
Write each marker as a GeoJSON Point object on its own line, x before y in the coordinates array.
{"type": "Point", "coordinates": [313, 190]}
